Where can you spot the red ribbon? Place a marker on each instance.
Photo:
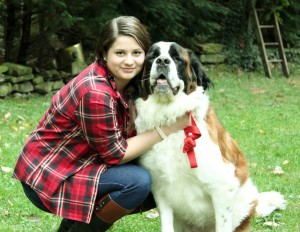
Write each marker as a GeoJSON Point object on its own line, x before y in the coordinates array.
{"type": "Point", "coordinates": [192, 133]}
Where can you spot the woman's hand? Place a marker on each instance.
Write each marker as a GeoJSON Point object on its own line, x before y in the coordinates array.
{"type": "Point", "coordinates": [181, 123]}
{"type": "Point", "coordinates": [141, 143]}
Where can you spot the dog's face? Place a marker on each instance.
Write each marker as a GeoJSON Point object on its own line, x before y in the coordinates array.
{"type": "Point", "coordinates": [171, 69]}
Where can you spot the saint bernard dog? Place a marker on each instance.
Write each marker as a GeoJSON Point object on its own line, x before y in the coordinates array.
{"type": "Point", "coordinates": [201, 183]}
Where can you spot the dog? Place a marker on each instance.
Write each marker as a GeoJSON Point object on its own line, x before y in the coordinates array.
{"type": "Point", "coordinates": [204, 186]}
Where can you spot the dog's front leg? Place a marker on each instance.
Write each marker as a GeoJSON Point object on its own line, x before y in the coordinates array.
{"type": "Point", "coordinates": [166, 215]}
{"type": "Point", "coordinates": [223, 202]}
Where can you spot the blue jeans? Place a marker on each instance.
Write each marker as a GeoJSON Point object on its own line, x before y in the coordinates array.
{"type": "Point", "coordinates": [128, 185]}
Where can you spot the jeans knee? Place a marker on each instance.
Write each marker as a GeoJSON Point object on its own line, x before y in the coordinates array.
{"type": "Point", "coordinates": [144, 180]}
{"type": "Point", "coordinates": [129, 185]}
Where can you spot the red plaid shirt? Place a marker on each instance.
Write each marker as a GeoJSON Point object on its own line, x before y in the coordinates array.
{"type": "Point", "coordinates": [82, 133]}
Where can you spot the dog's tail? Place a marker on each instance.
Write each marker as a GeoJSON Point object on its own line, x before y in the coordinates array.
{"type": "Point", "coordinates": [268, 202]}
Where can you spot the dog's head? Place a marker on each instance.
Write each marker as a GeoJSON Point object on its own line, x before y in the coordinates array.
{"type": "Point", "coordinates": [171, 69]}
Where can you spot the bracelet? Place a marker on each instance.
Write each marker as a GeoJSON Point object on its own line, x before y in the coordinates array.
{"type": "Point", "coordinates": [160, 132]}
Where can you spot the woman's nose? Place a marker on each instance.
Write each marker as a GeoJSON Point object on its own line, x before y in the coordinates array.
{"type": "Point", "coordinates": [129, 59]}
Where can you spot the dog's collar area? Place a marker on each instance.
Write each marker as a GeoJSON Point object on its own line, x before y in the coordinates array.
{"type": "Point", "coordinates": [192, 133]}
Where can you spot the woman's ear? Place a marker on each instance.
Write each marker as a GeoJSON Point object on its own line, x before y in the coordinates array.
{"type": "Point", "coordinates": [104, 55]}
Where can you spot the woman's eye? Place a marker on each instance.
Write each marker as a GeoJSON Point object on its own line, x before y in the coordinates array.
{"type": "Point", "coordinates": [120, 53]}
{"type": "Point", "coordinates": [137, 53]}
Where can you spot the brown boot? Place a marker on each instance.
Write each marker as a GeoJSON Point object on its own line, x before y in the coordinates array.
{"type": "Point", "coordinates": [106, 212]}
{"type": "Point", "coordinates": [109, 211]}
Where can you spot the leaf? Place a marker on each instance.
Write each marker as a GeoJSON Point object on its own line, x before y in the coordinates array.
{"type": "Point", "coordinates": [278, 170]}
{"type": "Point", "coordinates": [10, 203]}
{"type": "Point", "coordinates": [14, 128]}
{"type": "Point", "coordinates": [153, 213]}
{"type": "Point", "coordinates": [271, 224]}
{"type": "Point", "coordinates": [253, 165]}
{"type": "Point", "coordinates": [285, 162]}
{"type": "Point", "coordinates": [26, 125]}
{"type": "Point", "coordinates": [257, 90]}
{"type": "Point", "coordinates": [20, 117]}
{"type": "Point", "coordinates": [7, 115]}
{"type": "Point", "coordinates": [6, 213]}
{"type": "Point", "coordinates": [262, 132]}
{"type": "Point", "coordinates": [6, 169]}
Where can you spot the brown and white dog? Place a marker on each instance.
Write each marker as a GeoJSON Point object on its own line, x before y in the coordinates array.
{"type": "Point", "coordinates": [218, 195]}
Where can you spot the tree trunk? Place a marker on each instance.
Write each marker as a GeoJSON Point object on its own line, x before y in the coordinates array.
{"type": "Point", "coordinates": [9, 28]}
{"type": "Point", "coordinates": [26, 28]}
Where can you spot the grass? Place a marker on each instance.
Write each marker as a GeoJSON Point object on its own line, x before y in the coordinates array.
{"type": "Point", "coordinates": [261, 114]}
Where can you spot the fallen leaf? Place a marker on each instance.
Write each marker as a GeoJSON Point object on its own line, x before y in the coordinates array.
{"type": "Point", "coordinates": [10, 203]}
{"type": "Point", "coordinates": [5, 212]}
{"type": "Point", "coordinates": [153, 213]}
{"type": "Point", "coordinates": [20, 117]}
{"type": "Point", "coordinates": [221, 90]}
{"type": "Point", "coordinates": [271, 224]}
{"type": "Point", "coordinates": [34, 218]}
{"type": "Point", "coordinates": [254, 165]}
{"type": "Point", "coordinates": [7, 115]}
{"type": "Point", "coordinates": [278, 170]}
{"type": "Point", "coordinates": [262, 132]}
{"type": "Point", "coordinates": [26, 125]}
{"type": "Point", "coordinates": [257, 90]}
{"type": "Point", "coordinates": [285, 162]}
{"type": "Point", "coordinates": [6, 169]}
{"type": "Point", "coordinates": [14, 128]}
{"type": "Point", "coordinates": [291, 82]}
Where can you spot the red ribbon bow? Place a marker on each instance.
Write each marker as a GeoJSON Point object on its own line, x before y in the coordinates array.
{"type": "Point", "coordinates": [192, 133]}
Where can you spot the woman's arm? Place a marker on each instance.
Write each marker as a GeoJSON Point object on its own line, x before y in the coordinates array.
{"type": "Point", "coordinates": [141, 143]}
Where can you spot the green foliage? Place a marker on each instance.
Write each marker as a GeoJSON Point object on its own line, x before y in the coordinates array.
{"type": "Point", "coordinates": [287, 13]}
{"type": "Point", "coordinates": [239, 36]}
{"type": "Point", "coordinates": [91, 15]}
{"type": "Point", "coordinates": [186, 22]}
{"type": "Point", "coordinates": [291, 23]}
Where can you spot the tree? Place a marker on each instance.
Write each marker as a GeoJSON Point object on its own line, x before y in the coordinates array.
{"type": "Point", "coordinates": [185, 22]}
{"type": "Point", "coordinates": [36, 28]}
{"type": "Point", "coordinates": [239, 36]}
{"type": "Point", "coordinates": [290, 22]}
{"type": "Point", "coordinates": [10, 28]}
{"type": "Point", "coordinates": [26, 28]}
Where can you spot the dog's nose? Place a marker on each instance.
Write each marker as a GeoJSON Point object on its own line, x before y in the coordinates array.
{"type": "Point", "coordinates": [163, 61]}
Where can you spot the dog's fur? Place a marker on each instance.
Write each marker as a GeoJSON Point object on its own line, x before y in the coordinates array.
{"type": "Point", "coordinates": [218, 195]}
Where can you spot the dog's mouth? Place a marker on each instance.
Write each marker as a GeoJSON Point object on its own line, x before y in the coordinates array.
{"type": "Point", "coordinates": [163, 87]}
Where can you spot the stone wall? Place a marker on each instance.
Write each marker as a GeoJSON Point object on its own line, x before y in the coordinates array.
{"type": "Point", "coordinates": [211, 53]}
{"type": "Point", "coordinates": [18, 79]}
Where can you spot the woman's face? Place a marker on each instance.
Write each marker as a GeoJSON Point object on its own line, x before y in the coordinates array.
{"type": "Point", "coordinates": [125, 59]}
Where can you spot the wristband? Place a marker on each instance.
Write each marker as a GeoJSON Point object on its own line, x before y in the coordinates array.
{"type": "Point", "coordinates": [160, 132]}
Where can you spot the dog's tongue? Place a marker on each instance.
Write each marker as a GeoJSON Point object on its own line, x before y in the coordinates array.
{"type": "Point", "coordinates": [162, 82]}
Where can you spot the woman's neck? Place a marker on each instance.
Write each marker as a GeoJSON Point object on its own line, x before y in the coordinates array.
{"type": "Point", "coordinates": [121, 86]}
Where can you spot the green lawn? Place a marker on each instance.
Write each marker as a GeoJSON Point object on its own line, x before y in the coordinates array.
{"type": "Point", "coordinates": [261, 114]}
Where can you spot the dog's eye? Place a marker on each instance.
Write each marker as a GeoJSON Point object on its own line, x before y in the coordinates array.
{"type": "Point", "coordinates": [151, 58]}
{"type": "Point", "coordinates": [177, 59]}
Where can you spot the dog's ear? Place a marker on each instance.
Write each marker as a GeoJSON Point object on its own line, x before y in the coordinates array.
{"type": "Point", "coordinates": [196, 67]}
{"type": "Point", "coordinates": [145, 80]}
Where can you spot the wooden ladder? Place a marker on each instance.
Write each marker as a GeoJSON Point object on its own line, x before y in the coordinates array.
{"type": "Point", "coordinates": [277, 43]}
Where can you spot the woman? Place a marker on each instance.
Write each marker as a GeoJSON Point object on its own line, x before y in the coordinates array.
{"type": "Point", "coordinates": [77, 163]}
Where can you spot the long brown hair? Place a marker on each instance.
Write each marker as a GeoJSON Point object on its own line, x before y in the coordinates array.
{"type": "Point", "coordinates": [126, 26]}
